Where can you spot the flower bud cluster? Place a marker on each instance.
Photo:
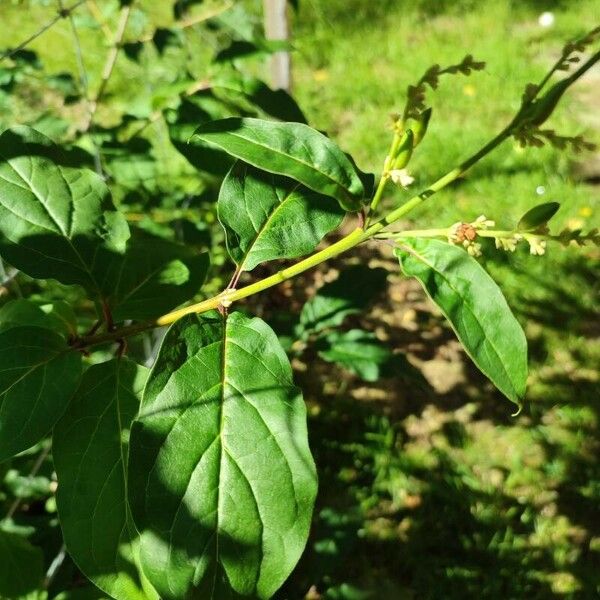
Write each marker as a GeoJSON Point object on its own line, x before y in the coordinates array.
{"type": "Point", "coordinates": [465, 234]}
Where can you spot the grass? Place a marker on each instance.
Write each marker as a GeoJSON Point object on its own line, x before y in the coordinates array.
{"type": "Point", "coordinates": [429, 494]}
{"type": "Point", "coordinates": [350, 75]}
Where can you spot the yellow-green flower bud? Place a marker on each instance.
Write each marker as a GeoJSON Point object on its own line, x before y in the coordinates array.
{"type": "Point", "coordinates": [420, 126]}
{"type": "Point", "coordinates": [404, 151]}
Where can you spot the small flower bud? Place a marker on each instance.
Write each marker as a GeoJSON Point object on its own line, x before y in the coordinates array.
{"type": "Point", "coordinates": [482, 222]}
{"type": "Point", "coordinates": [401, 177]}
{"type": "Point", "coordinates": [537, 247]}
{"type": "Point", "coordinates": [420, 126]}
{"type": "Point", "coordinates": [507, 244]}
{"type": "Point", "coordinates": [404, 151]}
{"type": "Point", "coordinates": [474, 249]}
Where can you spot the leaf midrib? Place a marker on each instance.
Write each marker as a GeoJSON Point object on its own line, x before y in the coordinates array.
{"type": "Point", "coordinates": [266, 224]}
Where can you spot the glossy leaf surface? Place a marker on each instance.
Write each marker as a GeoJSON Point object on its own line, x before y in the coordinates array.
{"type": "Point", "coordinates": [291, 149]}
{"type": "Point", "coordinates": [267, 216]}
{"type": "Point", "coordinates": [55, 220]}
{"type": "Point", "coordinates": [222, 482]}
{"type": "Point", "coordinates": [475, 307]}
{"type": "Point", "coordinates": [90, 446]}
{"type": "Point", "coordinates": [38, 375]}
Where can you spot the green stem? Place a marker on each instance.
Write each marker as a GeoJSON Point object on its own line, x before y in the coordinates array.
{"type": "Point", "coordinates": [442, 182]}
{"type": "Point", "coordinates": [379, 192]}
{"type": "Point", "coordinates": [353, 239]}
{"type": "Point", "coordinates": [228, 296]}
{"type": "Point", "coordinates": [425, 233]}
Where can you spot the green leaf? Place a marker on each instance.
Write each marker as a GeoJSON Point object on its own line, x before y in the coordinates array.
{"type": "Point", "coordinates": [201, 107]}
{"type": "Point", "coordinates": [90, 446]}
{"type": "Point", "coordinates": [21, 312]}
{"type": "Point", "coordinates": [38, 375]}
{"type": "Point", "coordinates": [538, 216]}
{"type": "Point", "coordinates": [221, 480]}
{"type": "Point", "coordinates": [274, 103]}
{"type": "Point", "coordinates": [55, 220]}
{"type": "Point", "coordinates": [57, 316]}
{"type": "Point", "coordinates": [154, 276]}
{"type": "Point", "coordinates": [358, 351]}
{"type": "Point", "coordinates": [349, 294]}
{"type": "Point", "coordinates": [267, 216]}
{"type": "Point", "coordinates": [475, 307]}
{"type": "Point", "coordinates": [87, 593]}
{"type": "Point", "coordinates": [291, 149]}
{"type": "Point", "coordinates": [21, 566]}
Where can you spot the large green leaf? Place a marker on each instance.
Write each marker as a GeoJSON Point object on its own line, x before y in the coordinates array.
{"type": "Point", "coordinates": [56, 220]}
{"type": "Point", "coordinates": [21, 566]}
{"type": "Point", "coordinates": [222, 482]}
{"type": "Point", "coordinates": [90, 446]}
{"type": "Point", "coordinates": [267, 216]}
{"type": "Point", "coordinates": [349, 294]}
{"type": "Point", "coordinates": [291, 149]}
{"type": "Point", "coordinates": [154, 276]}
{"type": "Point", "coordinates": [475, 307]}
{"type": "Point", "coordinates": [358, 351]}
{"type": "Point", "coordinates": [38, 375]}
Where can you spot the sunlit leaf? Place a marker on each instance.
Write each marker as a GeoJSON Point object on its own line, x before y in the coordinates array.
{"type": "Point", "coordinates": [475, 307]}
{"type": "Point", "coordinates": [55, 220]}
{"type": "Point", "coordinates": [221, 479]}
{"type": "Point", "coordinates": [267, 216]}
{"type": "Point", "coordinates": [291, 149]}
{"type": "Point", "coordinates": [274, 103]}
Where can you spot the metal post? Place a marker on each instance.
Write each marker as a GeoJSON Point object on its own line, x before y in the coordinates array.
{"type": "Point", "coordinates": [277, 28]}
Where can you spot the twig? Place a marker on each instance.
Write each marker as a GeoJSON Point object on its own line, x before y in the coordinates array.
{"type": "Point", "coordinates": [234, 280]}
{"type": "Point", "coordinates": [83, 81]}
{"type": "Point", "coordinates": [63, 13]}
{"type": "Point", "coordinates": [109, 65]}
{"type": "Point", "coordinates": [99, 17]}
{"type": "Point", "coordinates": [55, 566]}
{"type": "Point", "coordinates": [207, 16]}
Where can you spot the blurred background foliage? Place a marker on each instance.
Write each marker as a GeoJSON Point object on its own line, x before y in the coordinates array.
{"type": "Point", "coordinates": [428, 487]}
